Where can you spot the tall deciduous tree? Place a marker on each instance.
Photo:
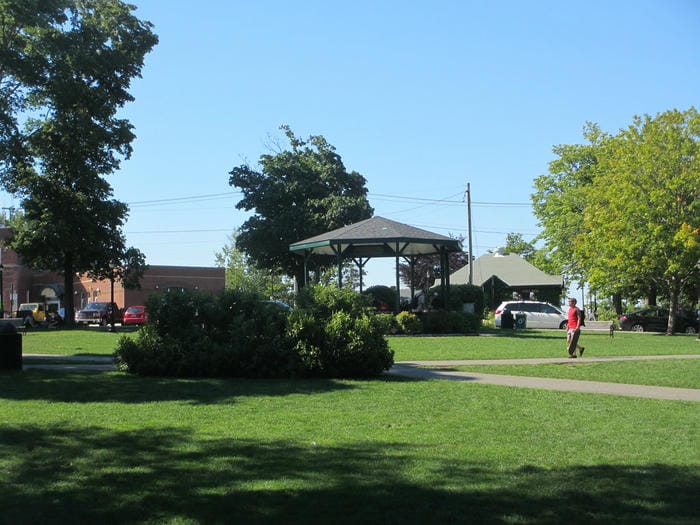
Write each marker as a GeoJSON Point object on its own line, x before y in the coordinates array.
{"type": "Point", "coordinates": [241, 275]}
{"type": "Point", "coordinates": [623, 212]}
{"type": "Point", "coordinates": [643, 210]}
{"type": "Point", "coordinates": [297, 193]}
{"type": "Point", "coordinates": [68, 67]}
{"type": "Point", "coordinates": [516, 244]}
{"type": "Point", "coordinates": [538, 257]}
{"type": "Point", "coordinates": [560, 199]}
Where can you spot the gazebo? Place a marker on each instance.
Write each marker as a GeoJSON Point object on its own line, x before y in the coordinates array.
{"type": "Point", "coordinates": [379, 237]}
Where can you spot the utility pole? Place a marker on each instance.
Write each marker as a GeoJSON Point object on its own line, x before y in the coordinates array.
{"type": "Point", "coordinates": [469, 235]}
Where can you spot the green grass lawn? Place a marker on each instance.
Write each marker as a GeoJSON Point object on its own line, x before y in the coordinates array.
{"type": "Point", "coordinates": [108, 447]}
{"type": "Point", "coordinates": [679, 373]}
{"type": "Point", "coordinates": [84, 341]}
{"type": "Point", "coordinates": [538, 343]}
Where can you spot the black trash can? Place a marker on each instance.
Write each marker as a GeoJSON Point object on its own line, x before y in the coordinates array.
{"type": "Point", "coordinates": [10, 347]}
{"type": "Point", "coordinates": [520, 320]}
{"type": "Point", "coordinates": [506, 319]}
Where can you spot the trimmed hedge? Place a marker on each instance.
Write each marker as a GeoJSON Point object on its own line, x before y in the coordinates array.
{"type": "Point", "coordinates": [446, 322]}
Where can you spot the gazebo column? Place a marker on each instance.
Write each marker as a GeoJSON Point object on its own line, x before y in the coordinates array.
{"type": "Point", "coordinates": [398, 284]}
{"type": "Point", "coordinates": [339, 258]}
{"type": "Point", "coordinates": [360, 267]}
{"type": "Point", "coordinates": [412, 267]}
{"type": "Point", "coordinates": [443, 277]}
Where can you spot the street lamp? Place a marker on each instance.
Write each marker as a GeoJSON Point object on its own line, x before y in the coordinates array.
{"type": "Point", "coordinates": [111, 298]}
{"type": "Point", "coordinates": [2, 290]}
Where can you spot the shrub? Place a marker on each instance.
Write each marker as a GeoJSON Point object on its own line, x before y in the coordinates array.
{"type": "Point", "coordinates": [465, 293]}
{"type": "Point", "coordinates": [409, 323]}
{"type": "Point", "coordinates": [382, 295]}
{"type": "Point", "coordinates": [388, 323]}
{"type": "Point", "coordinates": [190, 335]}
{"type": "Point", "coordinates": [446, 322]}
{"type": "Point", "coordinates": [331, 334]}
{"type": "Point", "coordinates": [459, 295]}
{"type": "Point", "coordinates": [335, 335]}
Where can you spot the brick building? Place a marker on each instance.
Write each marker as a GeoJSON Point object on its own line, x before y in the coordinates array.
{"type": "Point", "coordinates": [20, 284]}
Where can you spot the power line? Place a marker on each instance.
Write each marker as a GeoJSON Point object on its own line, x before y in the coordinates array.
{"type": "Point", "coordinates": [378, 196]}
{"type": "Point", "coordinates": [158, 232]}
{"type": "Point", "coordinates": [188, 199]}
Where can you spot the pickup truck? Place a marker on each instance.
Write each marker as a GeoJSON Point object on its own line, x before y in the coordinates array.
{"type": "Point", "coordinates": [99, 313]}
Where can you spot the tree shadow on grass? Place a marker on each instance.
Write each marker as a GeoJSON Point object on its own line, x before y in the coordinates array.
{"type": "Point", "coordinates": [89, 387]}
{"type": "Point", "coordinates": [74, 474]}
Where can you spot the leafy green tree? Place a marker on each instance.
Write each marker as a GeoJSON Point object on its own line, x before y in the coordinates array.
{"type": "Point", "coordinates": [642, 208]}
{"type": "Point", "coordinates": [622, 211]}
{"type": "Point", "coordinates": [538, 257]}
{"type": "Point", "coordinates": [560, 199]}
{"type": "Point", "coordinates": [297, 193]}
{"type": "Point", "coordinates": [241, 275]}
{"type": "Point", "coordinates": [516, 244]}
{"type": "Point", "coordinates": [350, 275]}
{"type": "Point", "coordinates": [66, 70]}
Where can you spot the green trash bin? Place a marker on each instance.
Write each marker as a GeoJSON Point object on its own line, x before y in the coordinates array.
{"type": "Point", "coordinates": [10, 347]}
{"type": "Point", "coordinates": [520, 320]}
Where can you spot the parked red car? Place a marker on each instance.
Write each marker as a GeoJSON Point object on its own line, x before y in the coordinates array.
{"type": "Point", "coordinates": [135, 315]}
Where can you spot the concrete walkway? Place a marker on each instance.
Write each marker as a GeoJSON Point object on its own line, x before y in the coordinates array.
{"type": "Point", "coordinates": [68, 362]}
{"type": "Point", "coordinates": [440, 370]}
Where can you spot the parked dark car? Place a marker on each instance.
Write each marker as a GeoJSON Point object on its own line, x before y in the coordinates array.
{"type": "Point", "coordinates": [98, 313]}
{"type": "Point", "coordinates": [655, 319]}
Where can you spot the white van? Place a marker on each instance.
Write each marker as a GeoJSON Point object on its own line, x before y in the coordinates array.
{"type": "Point", "coordinates": [538, 314]}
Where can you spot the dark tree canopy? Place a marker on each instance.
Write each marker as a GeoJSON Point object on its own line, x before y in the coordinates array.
{"type": "Point", "coordinates": [65, 70]}
{"type": "Point", "coordinates": [297, 193]}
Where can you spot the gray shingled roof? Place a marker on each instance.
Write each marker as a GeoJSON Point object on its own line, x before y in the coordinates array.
{"type": "Point", "coordinates": [512, 269]}
{"type": "Point", "coordinates": [377, 237]}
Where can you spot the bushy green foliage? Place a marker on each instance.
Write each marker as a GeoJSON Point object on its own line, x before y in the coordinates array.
{"type": "Point", "coordinates": [465, 293]}
{"type": "Point", "coordinates": [381, 293]}
{"type": "Point", "coordinates": [388, 323]}
{"type": "Point", "coordinates": [332, 333]}
{"type": "Point", "coordinates": [461, 294]}
{"type": "Point", "coordinates": [190, 335]}
{"type": "Point", "coordinates": [336, 336]}
{"type": "Point", "coordinates": [447, 322]}
{"type": "Point", "coordinates": [409, 323]}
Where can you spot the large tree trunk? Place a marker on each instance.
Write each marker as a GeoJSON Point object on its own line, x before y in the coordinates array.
{"type": "Point", "coordinates": [617, 303]}
{"type": "Point", "coordinates": [673, 306]}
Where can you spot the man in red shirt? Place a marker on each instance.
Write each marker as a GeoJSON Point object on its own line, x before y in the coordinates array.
{"type": "Point", "coordinates": [573, 329]}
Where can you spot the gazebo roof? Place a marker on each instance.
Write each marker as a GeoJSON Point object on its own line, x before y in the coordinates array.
{"type": "Point", "coordinates": [377, 237]}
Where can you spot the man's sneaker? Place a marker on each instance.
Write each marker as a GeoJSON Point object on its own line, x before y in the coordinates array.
{"type": "Point", "coordinates": [572, 356]}
{"type": "Point", "coordinates": [580, 352]}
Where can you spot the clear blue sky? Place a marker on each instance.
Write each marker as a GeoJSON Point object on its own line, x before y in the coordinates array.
{"type": "Point", "coordinates": [419, 97]}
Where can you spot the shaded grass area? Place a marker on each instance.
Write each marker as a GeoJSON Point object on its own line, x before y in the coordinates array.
{"type": "Point", "coordinates": [499, 344]}
{"type": "Point", "coordinates": [680, 373]}
{"type": "Point", "coordinates": [86, 447]}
